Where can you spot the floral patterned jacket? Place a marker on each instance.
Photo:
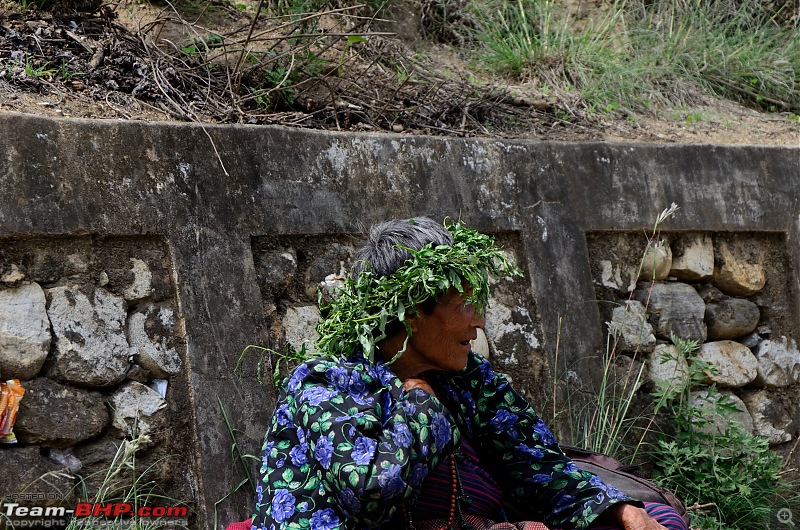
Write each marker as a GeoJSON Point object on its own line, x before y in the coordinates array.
{"type": "Point", "coordinates": [347, 446]}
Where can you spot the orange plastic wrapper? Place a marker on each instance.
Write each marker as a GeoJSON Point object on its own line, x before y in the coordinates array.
{"type": "Point", "coordinates": [11, 393]}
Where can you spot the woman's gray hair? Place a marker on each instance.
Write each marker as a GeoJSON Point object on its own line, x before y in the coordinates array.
{"type": "Point", "coordinates": [382, 251]}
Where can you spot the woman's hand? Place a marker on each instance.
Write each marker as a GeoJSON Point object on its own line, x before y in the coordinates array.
{"type": "Point", "coordinates": [415, 382]}
{"type": "Point", "coordinates": [631, 517]}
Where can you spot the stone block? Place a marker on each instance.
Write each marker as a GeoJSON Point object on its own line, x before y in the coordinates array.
{"type": "Point", "coordinates": [656, 262]}
{"type": "Point", "coordinates": [692, 257]}
{"type": "Point", "coordinates": [24, 331]}
{"type": "Point", "coordinates": [614, 277]}
{"type": "Point", "coordinates": [735, 364]}
{"type": "Point", "coordinates": [332, 258]}
{"type": "Point", "coordinates": [329, 287]}
{"type": "Point", "coordinates": [299, 325]}
{"type": "Point", "coordinates": [56, 415]}
{"type": "Point", "coordinates": [277, 269]}
{"type": "Point", "coordinates": [667, 367]}
{"type": "Point", "coordinates": [141, 286]}
{"type": "Point", "coordinates": [731, 318]}
{"type": "Point", "coordinates": [767, 414]}
{"type": "Point", "coordinates": [674, 307]}
{"type": "Point", "coordinates": [778, 362]}
{"type": "Point", "coordinates": [738, 269]}
{"type": "Point", "coordinates": [151, 334]}
{"type": "Point", "coordinates": [135, 410]}
{"type": "Point", "coordinates": [89, 326]}
{"type": "Point", "coordinates": [12, 274]}
{"type": "Point", "coordinates": [707, 402]}
{"type": "Point", "coordinates": [510, 331]}
{"type": "Point", "coordinates": [630, 329]}
{"type": "Point", "coordinates": [481, 344]}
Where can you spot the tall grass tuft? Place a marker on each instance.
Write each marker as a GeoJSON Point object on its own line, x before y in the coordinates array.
{"type": "Point", "coordinates": [642, 55]}
{"type": "Point", "coordinates": [610, 422]}
{"type": "Point", "coordinates": [123, 481]}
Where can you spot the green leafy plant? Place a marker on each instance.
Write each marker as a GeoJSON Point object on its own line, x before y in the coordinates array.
{"type": "Point", "coordinates": [351, 39]}
{"type": "Point", "coordinates": [32, 70]}
{"type": "Point", "coordinates": [203, 44]}
{"type": "Point", "coordinates": [66, 73]}
{"type": "Point", "coordinates": [282, 362]}
{"type": "Point", "coordinates": [710, 460]}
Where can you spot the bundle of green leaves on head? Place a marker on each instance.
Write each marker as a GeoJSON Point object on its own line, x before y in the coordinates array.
{"type": "Point", "coordinates": [357, 319]}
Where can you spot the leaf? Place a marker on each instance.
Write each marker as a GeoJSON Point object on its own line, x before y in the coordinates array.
{"type": "Point", "coordinates": [423, 434]}
{"type": "Point", "coordinates": [355, 38]}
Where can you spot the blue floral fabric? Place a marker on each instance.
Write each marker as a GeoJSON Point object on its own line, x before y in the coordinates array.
{"type": "Point", "coordinates": [347, 446]}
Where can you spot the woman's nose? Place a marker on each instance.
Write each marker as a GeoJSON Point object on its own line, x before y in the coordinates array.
{"type": "Point", "coordinates": [478, 320]}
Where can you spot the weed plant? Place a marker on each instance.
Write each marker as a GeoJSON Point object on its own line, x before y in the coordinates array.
{"type": "Point", "coordinates": [645, 54]}
{"type": "Point", "coordinates": [711, 461]}
{"type": "Point", "coordinates": [123, 481]}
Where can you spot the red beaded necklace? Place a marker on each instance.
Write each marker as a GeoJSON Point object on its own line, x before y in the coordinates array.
{"type": "Point", "coordinates": [457, 495]}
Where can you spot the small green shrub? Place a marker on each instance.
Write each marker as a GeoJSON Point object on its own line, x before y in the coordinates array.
{"type": "Point", "coordinates": [711, 460]}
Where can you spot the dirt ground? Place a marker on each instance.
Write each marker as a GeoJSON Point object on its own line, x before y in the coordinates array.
{"type": "Point", "coordinates": [104, 65]}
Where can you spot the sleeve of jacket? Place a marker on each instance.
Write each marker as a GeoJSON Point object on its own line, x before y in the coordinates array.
{"type": "Point", "coordinates": [363, 451]}
{"type": "Point", "coordinates": [518, 448]}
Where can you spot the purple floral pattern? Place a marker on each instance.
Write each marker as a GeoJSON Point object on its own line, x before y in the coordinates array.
{"type": "Point", "coordinates": [347, 447]}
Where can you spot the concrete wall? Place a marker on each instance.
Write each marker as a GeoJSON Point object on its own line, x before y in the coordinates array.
{"type": "Point", "coordinates": [218, 197]}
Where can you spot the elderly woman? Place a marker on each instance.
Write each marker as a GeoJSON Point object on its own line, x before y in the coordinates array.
{"type": "Point", "coordinates": [398, 424]}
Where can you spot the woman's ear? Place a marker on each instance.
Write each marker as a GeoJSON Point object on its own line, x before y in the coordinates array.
{"type": "Point", "coordinates": [413, 322]}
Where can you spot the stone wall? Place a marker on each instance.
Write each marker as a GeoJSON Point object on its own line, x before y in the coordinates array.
{"type": "Point", "coordinates": [235, 227]}
{"type": "Point", "coordinates": [728, 292]}
{"type": "Point", "coordinates": [90, 326]}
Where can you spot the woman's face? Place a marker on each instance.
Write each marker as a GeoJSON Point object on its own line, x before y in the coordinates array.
{"type": "Point", "coordinates": [441, 340]}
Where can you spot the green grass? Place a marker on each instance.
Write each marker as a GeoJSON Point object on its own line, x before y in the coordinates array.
{"type": "Point", "coordinates": [641, 54]}
{"type": "Point", "coordinates": [32, 70]}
